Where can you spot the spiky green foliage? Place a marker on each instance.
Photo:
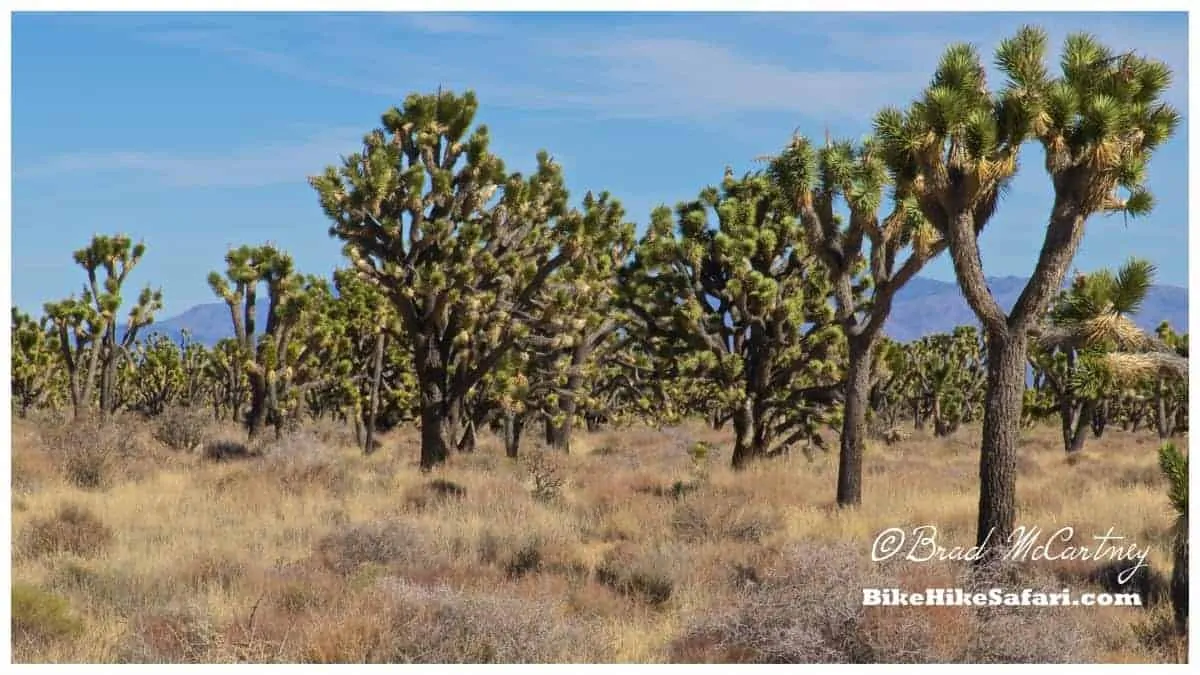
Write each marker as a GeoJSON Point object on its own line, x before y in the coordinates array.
{"type": "Point", "coordinates": [296, 331]}
{"type": "Point", "coordinates": [956, 149]}
{"type": "Point", "coordinates": [230, 385]}
{"type": "Point", "coordinates": [87, 326]}
{"type": "Point", "coordinates": [1082, 355]}
{"type": "Point", "coordinates": [36, 371]}
{"type": "Point", "coordinates": [817, 182]}
{"type": "Point", "coordinates": [162, 373]}
{"type": "Point", "coordinates": [566, 346]}
{"type": "Point", "coordinates": [732, 293]}
{"type": "Point", "coordinates": [376, 353]}
{"type": "Point", "coordinates": [461, 248]}
{"type": "Point", "coordinates": [1174, 465]}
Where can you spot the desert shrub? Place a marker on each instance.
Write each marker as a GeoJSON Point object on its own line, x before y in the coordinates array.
{"type": "Point", "coordinates": [646, 574]}
{"type": "Point", "coordinates": [73, 529]}
{"type": "Point", "coordinates": [301, 461]}
{"type": "Point", "coordinates": [40, 617]}
{"type": "Point", "coordinates": [712, 519]}
{"type": "Point", "coordinates": [440, 625]}
{"type": "Point", "coordinates": [545, 472]}
{"type": "Point", "coordinates": [173, 635]}
{"type": "Point", "coordinates": [808, 609]}
{"type": "Point", "coordinates": [224, 449]}
{"type": "Point", "coordinates": [379, 543]}
{"type": "Point", "coordinates": [222, 571]}
{"type": "Point", "coordinates": [91, 453]}
{"type": "Point", "coordinates": [434, 493]}
{"type": "Point", "coordinates": [182, 428]}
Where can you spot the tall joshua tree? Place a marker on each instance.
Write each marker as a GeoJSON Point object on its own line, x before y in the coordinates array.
{"type": "Point", "coordinates": [269, 359]}
{"type": "Point", "coordinates": [956, 147]}
{"type": "Point", "coordinates": [741, 301]}
{"type": "Point", "coordinates": [87, 326]}
{"type": "Point", "coordinates": [460, 247]}
{"type": "Point", "coordinates": [585, 293]}
{"type": "Point", "coordinates": [864, 282]}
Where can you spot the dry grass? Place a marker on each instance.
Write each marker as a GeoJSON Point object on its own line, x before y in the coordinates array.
{"type": "Point", "coordinates": [304, 550]}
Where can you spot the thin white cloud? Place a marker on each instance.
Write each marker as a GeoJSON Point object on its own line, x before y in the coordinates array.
{"type": "Point", "coordinates": [682, 78]}
{"type": "Point", "coordinates": [450, 23]}
{"type": "Point", "coordinates": [614, 75]}
{"type": "Point", "coordinates": [274, 163]}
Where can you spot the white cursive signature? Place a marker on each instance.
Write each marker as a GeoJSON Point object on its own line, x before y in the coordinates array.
{"type": "Point", "coordinates": [920, 544]}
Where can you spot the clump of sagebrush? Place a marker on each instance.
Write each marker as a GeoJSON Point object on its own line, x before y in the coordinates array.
{"type": "Point", "coordinates": [649, 575]}
{"type": "Point", "coordinates": [441, 625]}
{"type": "Point", "coordinates": [90, 453]}
{"type": "Point", "coordinates": [809, 609]}
{"type": "Point", "coordinates": [72, 529]}
{"type": "Point", "coordinates": [182, 428]}
{"type": "Point", "coordinates": [379, 543]}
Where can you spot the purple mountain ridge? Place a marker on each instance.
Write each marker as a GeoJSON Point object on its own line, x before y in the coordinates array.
{"type": "Point", "coordinates": [923, 307]}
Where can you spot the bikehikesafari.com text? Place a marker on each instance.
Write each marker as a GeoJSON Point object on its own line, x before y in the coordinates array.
{"type": "Point", "coordinates": [995, 597]}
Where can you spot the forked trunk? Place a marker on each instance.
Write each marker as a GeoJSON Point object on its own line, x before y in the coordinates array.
{"type": "Point", "coordinates": [1082, 424]}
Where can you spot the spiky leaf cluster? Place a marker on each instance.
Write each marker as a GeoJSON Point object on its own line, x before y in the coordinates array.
{"type": "Point", "coordinates": [730, 292]}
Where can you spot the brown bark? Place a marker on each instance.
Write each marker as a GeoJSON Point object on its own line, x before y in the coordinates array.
{"type": "Point", "coordinates": [373, 397]}
{"type": "Point", "coordinates": [1001, 431]}
{"type": "Point", "coordinates": [854, 422]}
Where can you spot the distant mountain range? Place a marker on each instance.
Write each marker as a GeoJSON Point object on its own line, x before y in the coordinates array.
{"type": "Point", "coordinates": [923, 307]}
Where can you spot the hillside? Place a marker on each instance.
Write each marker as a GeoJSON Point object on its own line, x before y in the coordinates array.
{"type": "Point", "coordinates": [923, 307]}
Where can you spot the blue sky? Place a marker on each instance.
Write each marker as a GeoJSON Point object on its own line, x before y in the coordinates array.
{"type": "Point", "coordinates": [195, 132]}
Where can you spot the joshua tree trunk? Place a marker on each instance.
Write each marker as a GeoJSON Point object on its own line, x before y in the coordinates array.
{"type": "Point", "coordinates": [513, 426]}
{"type": "Point", "coordinates": [559, 435]}
{"type": "Point", "coordinates": [743, 429]}
{"type": "Point", "coordinates": [854, 421]}
{"type": "Point", "coordinates": [439, 414]}
{"type": "Point", "coordinates": [1100, 419]}
{"type": "Point", "coordinates": [435, 431]}
{"type": "Point", "coordinates": [1161, 418]}
{"type": "Point", "coordinates": [1001, 430]}
{"type": "Point", "coordinates": [1179, 581]}
{"type": "Point", "coordinates": [1083, 422]}
{"type": "Point", "coordinates": [256, 417]}
{"type": "Point", "coordinates": [373, 398]}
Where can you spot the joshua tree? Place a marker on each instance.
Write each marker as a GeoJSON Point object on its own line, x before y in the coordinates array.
{"type": "Point", "coordinates": [272, 359]}
{"type": "Point", "coordinates": [956, 148]}
{"type": "Point", "coordinates": [462, 249]}
{"type": "Point", "coordinates": [1174, 465]}
{"type": "Point", "coordinates": [1170, 393]}
{"type": "Point", "coordinates": [87, 327]}
{"type": "Point", "coordinates": [1090, 321]}
{"type": "Point", "coordinates": [864, 282]}
{"type": "Point", "coordinates": [584, 292]}
{"type": "Point", "coordinates": [371, 330]}
{"type": "Point", "coordinates": [743, 302]}
{"type": "Point", "coordinates": [35, 361]}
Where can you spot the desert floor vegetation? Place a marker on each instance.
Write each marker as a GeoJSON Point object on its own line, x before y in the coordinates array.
{"type": "Point", "coordinates": [632, 548]}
